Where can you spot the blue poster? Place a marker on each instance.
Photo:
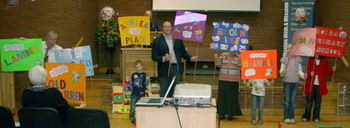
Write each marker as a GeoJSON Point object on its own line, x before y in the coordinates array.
{"type": "Point", "coordinates": [79, 55]}
{"type": "Point", "coordinates": [298, 14]}
{"type": "Point", "coordinates": [230, 37]}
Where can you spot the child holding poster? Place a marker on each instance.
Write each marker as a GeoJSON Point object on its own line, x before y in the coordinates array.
{"type": "Point", "coordinates": [228, 100]}
{"type": "Point", "coordinates": [291, 71]}
{"type": "Point", "coordinates": [139, 87]}
{"type": "Point", "coordinates": [258, 94]}
{"type": "Point", "coordinates": [316, 86]}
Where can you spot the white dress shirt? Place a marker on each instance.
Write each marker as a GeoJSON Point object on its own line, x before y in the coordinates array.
{"type": "Point", "coordinates": [50, 52]}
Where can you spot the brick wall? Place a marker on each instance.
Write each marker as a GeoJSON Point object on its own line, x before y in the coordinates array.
{"type": "Point", "coordinates": [334, 14]}
{"type": "Point", "coordinates": [73, 19]}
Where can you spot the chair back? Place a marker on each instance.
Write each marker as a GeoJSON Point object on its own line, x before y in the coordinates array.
{"type": "Point", "coordinates": [88, 118]}
{"type": "Point", "coordinates": [6, 118]}
{"type": "Point", "coordinates": [30, 117]}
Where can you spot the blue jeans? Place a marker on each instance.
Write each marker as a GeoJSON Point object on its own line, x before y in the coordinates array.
{"type": "Point", "coordinates": [134, 100]}
{"type": "Point", "coordinates": [257, 102]}
{"type": "Point", "coordinates": [290, 91]}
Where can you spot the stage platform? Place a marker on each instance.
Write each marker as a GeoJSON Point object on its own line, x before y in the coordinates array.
{"type": "Point", "coordinates": [99, 87]}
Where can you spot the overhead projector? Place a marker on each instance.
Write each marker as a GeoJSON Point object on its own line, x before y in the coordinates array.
{"type": "Point", "coordinates": [189, 94]}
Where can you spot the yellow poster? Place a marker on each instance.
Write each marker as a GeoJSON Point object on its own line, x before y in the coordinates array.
{"type": "Point", "coordinates": [134, 30]}
{"type": "Point", "coordinates": [69, 79]}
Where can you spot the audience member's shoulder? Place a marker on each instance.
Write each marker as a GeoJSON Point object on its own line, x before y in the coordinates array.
{"type": "Point", "coordinates": [58, 47]}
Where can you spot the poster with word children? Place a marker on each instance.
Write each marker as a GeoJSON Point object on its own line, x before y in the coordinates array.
{"type": "Point", "coordinates": [69, 79]}
{"type": "Point", "coordinates": [189, 26]}
{"type": "Point", "coordinates": [230, 37]}
{"type": "Point", "coordinates": [134, 30]}
{"type": "Point", "coordinates": [20, 54]}
{"type": "Point", "coordinates": [77, 55]}
{"type": "Point", "coordinates": [259, 64]}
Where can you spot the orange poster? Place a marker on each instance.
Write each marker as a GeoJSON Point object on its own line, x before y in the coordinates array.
{"type": "Point", "coordinates": [69, 79]}
{"type": "Point", "coordinates": [259, 64]}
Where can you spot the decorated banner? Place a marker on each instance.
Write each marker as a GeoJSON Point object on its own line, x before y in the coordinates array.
{"type": "Point", "coordinates": [154, 90]}
{"type": "Point", "coordinates": [298, 14]}
{"type": "Point", "coordinates": [69, 79]}
{"type": "Point", "coordinates": [259, 64]}
{"type": "Point", "coordinates": [304, 42]}
{"type": "Point", "coordinates": [230, 37]}
{"type": "Point", "coordinates": [189, 26]}
{"type": "Point", "coordinates": [330, 42]}
{"type": "Point", "coordinates": [77, 55]}
{"type": "Point", "coordinates": [20, 54]}
{"type": "Point", "coordinates": [121, 97]}
{"type": "Point", "coordinates": [134, 30]}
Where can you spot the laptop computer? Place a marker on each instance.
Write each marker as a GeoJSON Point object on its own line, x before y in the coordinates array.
{"type": "Point", "coordinates": [155, 101]}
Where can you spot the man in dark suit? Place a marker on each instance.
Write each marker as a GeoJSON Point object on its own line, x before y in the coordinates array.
{"type": "Point", "coordinates": [168, 53]}
{"type": "Point", "coordinates": [153, 25]}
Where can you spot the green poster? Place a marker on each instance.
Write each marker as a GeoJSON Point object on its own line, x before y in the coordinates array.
{"type": "Point", "coordinates": [20, 54]}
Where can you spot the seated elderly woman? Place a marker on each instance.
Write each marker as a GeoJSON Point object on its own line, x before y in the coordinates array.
{"type": "Point", "coordinates": [39, 95]}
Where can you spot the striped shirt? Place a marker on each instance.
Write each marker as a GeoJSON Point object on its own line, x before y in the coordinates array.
{"type": "Point", "coordinates": [230, 68]}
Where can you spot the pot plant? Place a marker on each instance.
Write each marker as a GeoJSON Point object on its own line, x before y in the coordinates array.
{"type": "Point", "coordinates": [107, 34]}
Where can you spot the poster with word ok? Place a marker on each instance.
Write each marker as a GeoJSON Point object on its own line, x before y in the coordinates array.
{"type": "Point", "coordinates": [69, 79]}
{"type": "Point", "coordinates": [259, 64]}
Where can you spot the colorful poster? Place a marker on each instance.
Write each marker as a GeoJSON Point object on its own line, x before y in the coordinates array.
{"type": "Point", "coordinates": [230, 37]}
{"type": "Point", "coordinates": [69, 79]}
{"type": "Point", "coordinates": [134, 30]}
{"type": "Point", "coordinates": [189, 26]}
{"type": "Point", "coordinates": [121, 97]}
{"type": "Point", "coordinates": [77, 55]}
{"type": "Point", "coordinates": [12, 3]}
{"type": "Point", "coordinates": [20, 54]}
{"type": "Point", "coordinates": [259, 64]}
{"type": "Point", "coordinates": [298, 14]}
{"type": "Point", "coordinates": [304, 42]}
{"type": "Point", "coordinates": [330, 42]}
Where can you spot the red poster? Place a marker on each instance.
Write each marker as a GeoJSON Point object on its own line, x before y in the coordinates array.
{"type": "Point", "coordinates": [330, 42]}
{"type": "Point", "coordinates": [259, 64]}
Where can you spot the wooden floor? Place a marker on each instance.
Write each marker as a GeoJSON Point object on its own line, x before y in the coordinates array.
{"type": "Point", "coordinates": [96, 89]}
{"type": "Point", "coordinates": [122, 121]}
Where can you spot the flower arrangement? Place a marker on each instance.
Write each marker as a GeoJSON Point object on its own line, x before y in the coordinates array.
{"type": "Point", "coordinates": [107, 30]}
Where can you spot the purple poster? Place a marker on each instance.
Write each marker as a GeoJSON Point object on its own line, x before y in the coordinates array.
{"type": "Point", "coordinates": [189, 26]}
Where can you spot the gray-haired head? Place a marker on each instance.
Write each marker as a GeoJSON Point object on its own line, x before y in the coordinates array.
{"type": "Point", "coordinates": [37, 75]}
{"type": "Point", "coordinates": [51, 33]}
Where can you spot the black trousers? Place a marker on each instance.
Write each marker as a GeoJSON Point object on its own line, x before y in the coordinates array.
{"type": "Point", "coordinates": [313, 101]}
{"type": "Point", "coordinates": [165, 81]}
